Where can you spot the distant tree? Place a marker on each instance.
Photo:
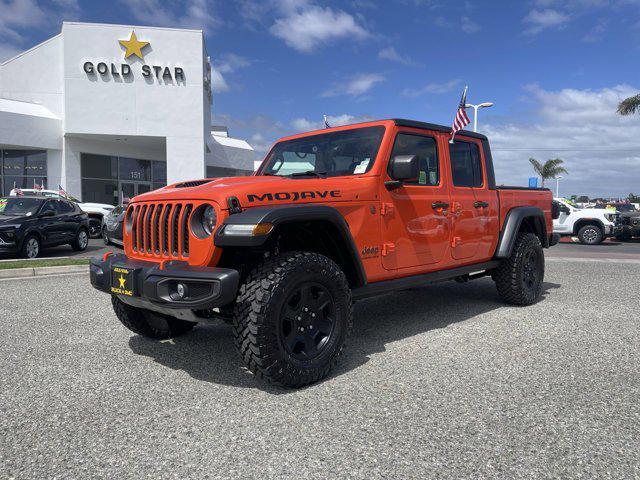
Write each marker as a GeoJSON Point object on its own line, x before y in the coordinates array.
{"type": "Point", "coordinates": [550, 169]}
{"type": "Point", "coordinates": [629, 105]}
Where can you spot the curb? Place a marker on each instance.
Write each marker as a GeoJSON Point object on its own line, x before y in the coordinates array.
{"type": "Point", "coordinates": [42, 271]}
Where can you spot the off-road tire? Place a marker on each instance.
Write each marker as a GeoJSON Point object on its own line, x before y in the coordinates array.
{"type": "Point", "coordinates": [258, 322]}
{"type": "Point", "coordinates": [78, 244]}
{"type": "Point", "coordinates": [590, 235]}
{"type": "Point", "coordinates": [149, 324]}
{"type": "Point", "coordinates": [510, 275]}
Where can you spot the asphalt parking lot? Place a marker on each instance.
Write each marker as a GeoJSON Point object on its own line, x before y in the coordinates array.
{"type": "Point", "coordinates": [438, 382]}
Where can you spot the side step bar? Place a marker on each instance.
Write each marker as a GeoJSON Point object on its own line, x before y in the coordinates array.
{"type": "Point", "coordinates": [380, 288]}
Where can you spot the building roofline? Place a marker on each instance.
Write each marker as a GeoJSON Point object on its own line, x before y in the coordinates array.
{"type": "Point", "coordinates": [192, 30]}
{"type": "Point", "coordinates": [30, 50]}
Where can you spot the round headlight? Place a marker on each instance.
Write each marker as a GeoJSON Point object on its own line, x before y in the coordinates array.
{"type": "Point", "coordinates": [209, 219]}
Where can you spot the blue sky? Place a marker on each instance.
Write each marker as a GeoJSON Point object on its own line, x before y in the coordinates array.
{"type": "Point", "coordinates": [554, 69]}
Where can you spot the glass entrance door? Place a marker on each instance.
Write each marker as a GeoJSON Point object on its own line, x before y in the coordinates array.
{"type": "Point", "coordinates": [128, 190]}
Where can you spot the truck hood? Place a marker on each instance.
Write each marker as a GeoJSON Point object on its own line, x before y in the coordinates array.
{"type": "Point", "coordinates": [257, 191]}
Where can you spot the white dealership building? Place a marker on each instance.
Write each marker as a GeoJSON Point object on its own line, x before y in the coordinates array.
{"type": "Point", "coordinates": [108, 111]}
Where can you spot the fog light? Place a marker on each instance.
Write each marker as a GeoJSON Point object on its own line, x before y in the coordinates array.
{"type": "Point", "coordinates": [181, 290]}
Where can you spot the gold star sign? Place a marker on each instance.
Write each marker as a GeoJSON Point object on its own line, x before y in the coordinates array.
{"type": "Point", "coordinates": [122, 281]}
{"type": "Point", "coordinates": [133, 46]}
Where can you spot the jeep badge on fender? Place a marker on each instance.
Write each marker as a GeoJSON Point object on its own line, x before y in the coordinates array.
{"type": "Point", "coordinates": [283, 254]}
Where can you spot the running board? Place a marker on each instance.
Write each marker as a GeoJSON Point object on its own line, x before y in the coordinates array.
{"type": "Point", "coordinates": [386, 286]}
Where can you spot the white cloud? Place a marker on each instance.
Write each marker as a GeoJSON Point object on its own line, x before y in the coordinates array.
{"type": "Point", "coordinates": [469, 26]}
{"type": "Point", "coordinates": [391, 54]}
{"type": "Point", "coordinates": [539, 20]}
{"type": "Point", "coordinates": [218, 83]}
{"type": "Point", "coordinates": [304, 26]}
{"type": "Point", "coordinates": [355, 86]}
{"type": "Point", "coordinates": [20, 17]}
{"type": "Point", "coordinates": [436, 88]}
{"type": "Point", "coordinates": [599, 147]}
{"type": "Point", "coordinates": [197, 14]}
{"type": "Point", "coordinates": [225, 64]}
{"type": "Point", "coordinates": [306, 125]}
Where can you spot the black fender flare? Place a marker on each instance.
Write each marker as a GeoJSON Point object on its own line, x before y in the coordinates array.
{"type": "Point", "coordinates": [278, 215]}
{"type": "Point", "coordinates": [512, 224]}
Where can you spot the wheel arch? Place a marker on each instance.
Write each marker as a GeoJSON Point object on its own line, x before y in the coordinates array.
{"type": "Point", "coordinates": [583, 222]}
{"type": "Point", "coordinates": [318, 228]}
{"type": "Point", "coordinates": [521, 219]}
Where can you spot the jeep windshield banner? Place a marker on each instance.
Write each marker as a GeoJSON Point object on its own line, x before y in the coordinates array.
{"type": "Point", "coordinates": [293, 196]}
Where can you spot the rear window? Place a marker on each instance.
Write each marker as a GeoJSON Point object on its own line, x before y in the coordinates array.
{"type": "Point", "coordinates": [466, 165]}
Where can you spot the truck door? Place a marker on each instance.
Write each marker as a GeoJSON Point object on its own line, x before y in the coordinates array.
{"type": "Point", "coordinates": [474, 208]}
{"type": "Point", "coordinates": [414, 218]}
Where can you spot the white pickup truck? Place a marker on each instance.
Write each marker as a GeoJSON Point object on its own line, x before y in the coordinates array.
{"type": "Point", "coordinates": [590, 225]}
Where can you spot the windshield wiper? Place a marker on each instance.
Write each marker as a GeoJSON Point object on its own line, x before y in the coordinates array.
{"type": "Point", "coordinates": [308, 173]}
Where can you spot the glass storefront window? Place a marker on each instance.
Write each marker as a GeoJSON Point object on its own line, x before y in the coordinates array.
{"type": "Point", "coordinates": [99, 166]}
{"type": "Point", "coordinates": [107, 179]}
{"type": "Point", "coordinates": [22, 168]}
{"type": "Point", "coordinates": [160, 172]}
{"type": "Point", "coordinates": [100, 191]}
{"type": "Point", "coordinates": [136, 170]}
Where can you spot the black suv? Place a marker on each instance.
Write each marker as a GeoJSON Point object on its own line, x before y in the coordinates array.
{"type": "Point", "coordinates": [27, 224]}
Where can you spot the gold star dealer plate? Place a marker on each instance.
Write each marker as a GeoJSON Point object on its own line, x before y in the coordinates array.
{"type": "Point", "coordinates": [122, 281]}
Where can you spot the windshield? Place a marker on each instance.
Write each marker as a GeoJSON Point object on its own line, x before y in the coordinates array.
{"type": "Point", "coordinates": [19, 206]}
{"type": "Point", "coordinates": [349, 152]}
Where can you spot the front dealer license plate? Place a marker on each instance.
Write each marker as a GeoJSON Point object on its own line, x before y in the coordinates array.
{"type": "Point", "coordinates": [122, 281]}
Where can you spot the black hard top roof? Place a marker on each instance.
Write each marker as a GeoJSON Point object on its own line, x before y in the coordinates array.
{"type": "Point", "coordinates": [401, 122]}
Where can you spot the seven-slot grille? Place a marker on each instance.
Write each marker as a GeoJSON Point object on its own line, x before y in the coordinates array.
{"type": "Point", "coordinates": [160, 229]}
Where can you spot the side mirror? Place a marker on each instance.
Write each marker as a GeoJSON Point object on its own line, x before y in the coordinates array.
{"type": "Point", "coordinates": [565, 209]}
{"type": "Point", "coordinates": [401, 168]}
{"type": "Point", "coordinates": [48, 213]}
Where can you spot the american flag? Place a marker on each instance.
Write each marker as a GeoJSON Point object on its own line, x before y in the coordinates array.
{"type": "Point", "coordinates": [37, 186]}
{"type": "Point", "coordinates": [461, 120]}
{"type": "Point", "coordinates": [326, 122]}
{"type": "Point", "coordinates": [62, 191]}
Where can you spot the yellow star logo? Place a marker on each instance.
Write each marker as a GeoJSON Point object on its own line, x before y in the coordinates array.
{"type": "Point", "coordinates": [122, 281]}
{"type": "Point", "coordinates": [133, 46]}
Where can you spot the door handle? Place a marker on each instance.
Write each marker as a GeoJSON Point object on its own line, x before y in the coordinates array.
{"type": "Point", "coordinates": [480, 204]}
{"type": "Point", "coordinates": [438, 205]}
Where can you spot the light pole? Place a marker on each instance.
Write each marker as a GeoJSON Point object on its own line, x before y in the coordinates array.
{"type": "Point", "coordinates": [475, 111]}
{"type": "Point", "coordinates": [558, 186]}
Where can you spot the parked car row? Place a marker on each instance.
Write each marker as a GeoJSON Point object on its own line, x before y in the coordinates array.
{"type": "Point", "coordinates": [95, 211]}
{"type": "Point", "coordinates": [28, 224]}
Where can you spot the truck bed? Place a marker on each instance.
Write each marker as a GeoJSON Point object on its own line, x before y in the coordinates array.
{"type": "Point", "coordinates": [510, 197]}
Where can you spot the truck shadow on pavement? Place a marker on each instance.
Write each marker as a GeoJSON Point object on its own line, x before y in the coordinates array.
{"type": "Point", "coordinates": [208, 354]}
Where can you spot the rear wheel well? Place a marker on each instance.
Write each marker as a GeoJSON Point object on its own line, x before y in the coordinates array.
{"type": "Point", "coordinates": [533, 225]}
{"type": "Point", "coordinates": [319, 236]}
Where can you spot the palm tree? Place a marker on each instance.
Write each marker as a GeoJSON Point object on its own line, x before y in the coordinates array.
{"type": "Point", "coordinates": [551, 168]}
{"type": "Point", "coordinates": [629, 105]}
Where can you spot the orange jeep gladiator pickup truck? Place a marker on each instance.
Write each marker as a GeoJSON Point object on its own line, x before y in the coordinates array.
{"type": "Point", "coordinates": [330, 217]}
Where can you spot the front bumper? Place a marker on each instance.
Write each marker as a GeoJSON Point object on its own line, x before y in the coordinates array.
{"type": "Point", "coordinates": [631, 230]}
{"type": "Point", "coordinates": [155, 288]}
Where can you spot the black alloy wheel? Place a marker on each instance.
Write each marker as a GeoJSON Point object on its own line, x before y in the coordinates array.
{"type": "Point", "coordinates": [307, 320]}
{"type": "Point", "coordinates": [531, 271]}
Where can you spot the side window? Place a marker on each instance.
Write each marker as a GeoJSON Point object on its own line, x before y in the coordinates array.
{"type": "Point", "coordinates": [466, 165]}
{"type": "Point", "coordinates": [426, 150]}
{"type": "Point", "coordinates": [65, 207]}
{"type": "Point", "coordinates": [49, 206]}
